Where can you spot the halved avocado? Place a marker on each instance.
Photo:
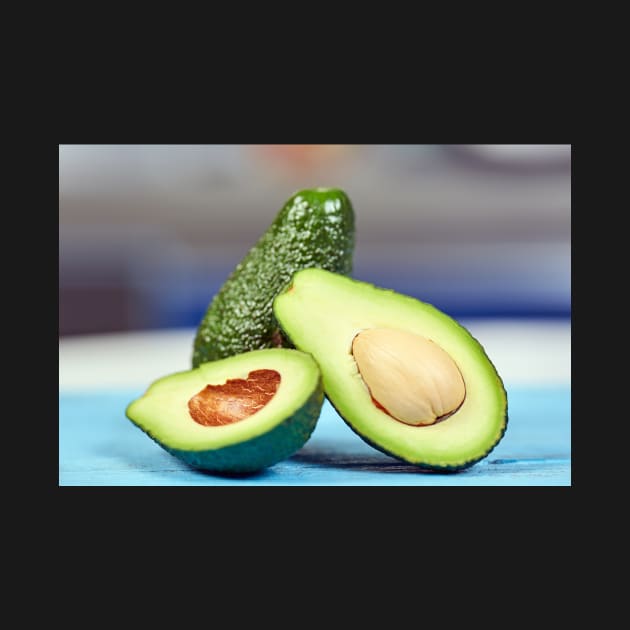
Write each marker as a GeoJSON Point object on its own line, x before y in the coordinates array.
{"type": "Point", "coordinates": [239, 414]}
{"type": "Point", "coordinates": [323, 313]}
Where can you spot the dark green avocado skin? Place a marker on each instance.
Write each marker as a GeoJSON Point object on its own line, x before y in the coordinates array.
{"type": "Point", "coordinates": [262, 451]}
{"type": "Point", "coordinates": [315, 228]}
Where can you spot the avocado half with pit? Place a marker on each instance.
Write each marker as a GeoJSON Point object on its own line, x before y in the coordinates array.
{"type": "Point", "coordinates": [406, 377]}
{"type": "Point", "coordinates": [239, 414]}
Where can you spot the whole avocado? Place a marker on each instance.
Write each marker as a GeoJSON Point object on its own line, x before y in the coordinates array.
{"type": "Point", "coordinates": [315, 228]}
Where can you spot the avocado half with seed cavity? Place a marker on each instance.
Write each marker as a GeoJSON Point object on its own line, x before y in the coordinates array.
{"type": "Point", "coordinates": [407, 378]}
{"type": "Point", "coordinates": [239, 414]}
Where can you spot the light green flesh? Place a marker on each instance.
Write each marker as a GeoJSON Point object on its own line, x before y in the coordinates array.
{"type": "Point", "coordinates": [163, 413]}
{"type": "Point", "coordinates": [322, 312]}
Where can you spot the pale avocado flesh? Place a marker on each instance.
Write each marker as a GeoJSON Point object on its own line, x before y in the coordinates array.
{"type": "Point", "coordinates": [268, 436]}
{"type": "Point", "coordinates": [322, 312]}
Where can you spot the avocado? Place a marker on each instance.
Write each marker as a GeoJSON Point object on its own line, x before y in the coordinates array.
{"type": "Point", "coordinates": [315, 228]}
{"type": "Point", "coordinates": [406, 377]}
{"type": "Point", "coordinates": [235, 415]}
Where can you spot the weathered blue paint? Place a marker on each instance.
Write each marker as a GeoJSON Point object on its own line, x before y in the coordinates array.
{"type": "Point", "coordinates": [99, 446]}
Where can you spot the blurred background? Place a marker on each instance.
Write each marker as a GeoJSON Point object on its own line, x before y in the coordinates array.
{"type": "Point", "coordinates": [148, 233]}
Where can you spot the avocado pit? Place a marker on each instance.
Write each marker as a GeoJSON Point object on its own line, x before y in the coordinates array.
{"type": "Point", "coordinates": [409, 377]}
{"type": "Point", "coordinates": [237, 399]}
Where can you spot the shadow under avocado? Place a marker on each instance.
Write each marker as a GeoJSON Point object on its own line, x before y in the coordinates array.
{"type": "Point", "coordinates": [257, 474]}
{"type": "Point", "coordinates": [329, 456]}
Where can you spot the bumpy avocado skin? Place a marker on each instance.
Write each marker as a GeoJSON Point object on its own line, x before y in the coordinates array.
{"type": "Point", "coordinates": [263, 451]}
{"type": "Point", "coordinates": [315, 228]}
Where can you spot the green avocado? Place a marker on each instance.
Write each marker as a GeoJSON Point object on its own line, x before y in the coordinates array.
{"type": "Point", "coordinates": [315, 228]}
{"type": "Point", "coordinates": [236, 415]}
{"type": "Point", "coordinates": [326, 314]}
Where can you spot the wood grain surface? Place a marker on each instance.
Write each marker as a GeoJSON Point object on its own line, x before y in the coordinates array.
{"type": "Point", "coordinates": [99, 446]}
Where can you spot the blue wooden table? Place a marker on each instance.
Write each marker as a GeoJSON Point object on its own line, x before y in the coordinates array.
{"type": "Point", "coordinates": [99, 446]}
{"type": "Point", "coordinates": [100, 375]}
